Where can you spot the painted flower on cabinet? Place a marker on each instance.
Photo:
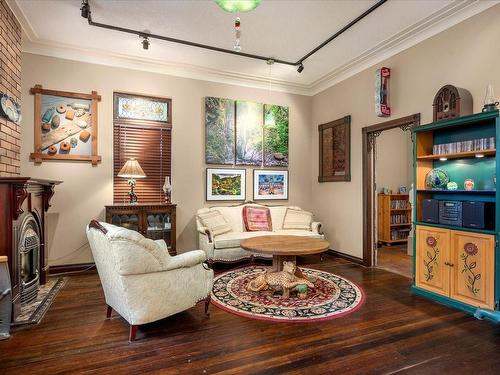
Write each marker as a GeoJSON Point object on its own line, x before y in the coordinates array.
{"type": "Point", "coordinates": [431, 258]}
{"type": "Point", "coordinates": [470, 250]}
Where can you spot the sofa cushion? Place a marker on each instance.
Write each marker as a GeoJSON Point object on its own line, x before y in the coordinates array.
{"type": "Point", "coordinates": [277, 216]}
{"type": "Point", "coordinates": [257, 219]}
{"type": "Point", "coordinates": [214, 221]}
{"type": "Point", "coordinates": [297, 219]}
{"type": "Point", "coordinates": [233, 216]}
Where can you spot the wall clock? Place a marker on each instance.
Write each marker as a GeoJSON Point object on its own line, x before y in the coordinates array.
{"type": "Point", "coordinates": [451, 102]}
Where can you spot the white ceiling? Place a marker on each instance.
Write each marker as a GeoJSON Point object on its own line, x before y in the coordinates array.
{"type": "Point", "coordinates": [277, 28]}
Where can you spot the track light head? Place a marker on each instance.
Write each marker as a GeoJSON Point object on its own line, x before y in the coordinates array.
{"type": "Point", "coordinates": [85, 9]}
{"type": "Point", "coordinates": [145, 42]}
{"type": "Point", "coordinates": [300, 68]}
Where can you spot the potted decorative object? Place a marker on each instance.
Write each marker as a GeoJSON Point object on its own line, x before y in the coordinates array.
{"type": "Point", "coordinates": [301, 291]}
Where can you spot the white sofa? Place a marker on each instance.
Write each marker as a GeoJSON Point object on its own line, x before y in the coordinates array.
{"type": "Point", "coordinates": [226, 247]}
{"type": "Point", "coordinates": [141, 281]}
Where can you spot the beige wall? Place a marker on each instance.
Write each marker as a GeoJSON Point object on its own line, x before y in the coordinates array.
{"type": "Point", "coordinates": [87, 189]}
{"type": "Point", "coordinates": [466, 55]}
{"type": "Point", "coordinates": [393, 159]}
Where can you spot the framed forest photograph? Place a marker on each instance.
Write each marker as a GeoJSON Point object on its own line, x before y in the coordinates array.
{"type": "Point", "coordinates": [241, 132]}
{"type": "Point", "coordinates": [335, 150]}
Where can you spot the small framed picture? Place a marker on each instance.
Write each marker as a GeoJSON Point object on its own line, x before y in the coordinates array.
{"type": "Point", "coordinates": [403, 190]}
{"type": "Point", "coordinates": [226, 184]}
{"type": "Point", "coordinates": [270, 185]}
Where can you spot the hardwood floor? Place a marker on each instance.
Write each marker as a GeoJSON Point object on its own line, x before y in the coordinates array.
{"type": "Point", "coordinates": [394, 332]}
{"type": "Point", "coordinates": [395, 259]}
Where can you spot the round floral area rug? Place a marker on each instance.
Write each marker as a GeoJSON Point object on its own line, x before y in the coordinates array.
{"type": "Point", "coordinates": [332, 297]}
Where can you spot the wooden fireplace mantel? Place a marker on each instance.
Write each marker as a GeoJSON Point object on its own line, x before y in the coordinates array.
{"type": "Point", "coordinates": [21, 197]}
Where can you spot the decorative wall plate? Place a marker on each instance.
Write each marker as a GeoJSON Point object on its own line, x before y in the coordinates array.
{"type": "Point", "coordinates": [9, 108]}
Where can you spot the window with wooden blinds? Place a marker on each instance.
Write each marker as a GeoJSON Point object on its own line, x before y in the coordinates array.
{"type": "Point", "coordinates": [142, 129]}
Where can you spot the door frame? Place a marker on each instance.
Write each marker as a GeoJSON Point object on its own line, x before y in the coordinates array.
{"type": "Point", "coordinates": [369, 135]}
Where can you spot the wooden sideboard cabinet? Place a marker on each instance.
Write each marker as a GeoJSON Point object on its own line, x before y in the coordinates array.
{"type": "Point", "coordinates": [155, 221]}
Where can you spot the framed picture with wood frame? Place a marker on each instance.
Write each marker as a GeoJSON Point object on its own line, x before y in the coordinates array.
{"type": "Point", "coordinates": [65, 126]}
{"type": "Point", "coordinates": [335, 150]}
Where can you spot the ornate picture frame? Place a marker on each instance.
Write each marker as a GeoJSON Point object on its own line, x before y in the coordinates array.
{"type": "Point", "coordinates": [270, 184]}
{"type": "Point", "coordinates": [225, 184]}
{"type": "Point", "coordinates": [335, 150]}
{"type": "Point", "coordinates": [65, 126]}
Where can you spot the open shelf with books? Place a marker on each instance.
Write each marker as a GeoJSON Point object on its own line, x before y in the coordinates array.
{"type": "Point", "coordinates": [394, 218]}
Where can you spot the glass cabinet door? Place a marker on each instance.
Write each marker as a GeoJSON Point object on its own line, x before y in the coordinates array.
{"type": "Point", "coordinates": [129, 221]}
{"type": "Point", "coordinates": [159, 227]}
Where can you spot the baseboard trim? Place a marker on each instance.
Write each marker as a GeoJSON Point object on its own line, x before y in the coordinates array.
{"type": "Point", "coordinates": [65, 268]}
{"type": "Point", "coordinates": [348, 257]}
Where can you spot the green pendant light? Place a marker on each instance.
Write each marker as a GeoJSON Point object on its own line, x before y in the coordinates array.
{"type": "Point", "coordinates": [234, 6]}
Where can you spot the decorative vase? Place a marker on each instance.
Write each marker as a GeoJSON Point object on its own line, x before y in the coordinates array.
{"type": "Point", "coordinates": [436, 179]}
{"type": "Point", "coordinates": [469, 184]}
{"type": "Point", "coordinates": [167, 189]}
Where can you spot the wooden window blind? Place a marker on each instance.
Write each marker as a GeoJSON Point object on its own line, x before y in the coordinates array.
{"type": "Point", "coordinates": [150, 142]}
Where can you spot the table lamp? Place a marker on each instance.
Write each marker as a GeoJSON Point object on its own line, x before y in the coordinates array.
{"type": "Point", "coordinates": [132, 170]}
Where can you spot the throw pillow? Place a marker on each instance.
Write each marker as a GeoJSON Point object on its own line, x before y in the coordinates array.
{"type": "Point", "coordinates": [297, 219]}
{"type": "Point", "coordinates": [257, 219]}
{"type": "Point", "coordinates": [214, 221]}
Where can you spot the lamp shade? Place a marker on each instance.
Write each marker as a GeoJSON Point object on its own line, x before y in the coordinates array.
{"type": "Point", "coordinates": [131, 169]}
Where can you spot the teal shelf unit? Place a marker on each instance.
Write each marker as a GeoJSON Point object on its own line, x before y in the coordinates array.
{"type": "Point", "coordinates": [482, 170]}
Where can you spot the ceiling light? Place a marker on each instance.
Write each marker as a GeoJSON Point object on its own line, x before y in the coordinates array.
{"type": "Point", "coordinates": [145, 42]}
{"type": "Point", "coordinates": [479, 155]}
{"type": "Point", "coordinates": [300, 68]}
{"type": "Point", "coordinates": [234, 6]}
{"type": "Point", "coordinates": [442, 158]}
{"type": "Point", "coordinates": [85, 9]}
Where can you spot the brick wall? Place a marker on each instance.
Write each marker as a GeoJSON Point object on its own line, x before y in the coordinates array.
{"type": "Point", "coordinates": [10, 84]}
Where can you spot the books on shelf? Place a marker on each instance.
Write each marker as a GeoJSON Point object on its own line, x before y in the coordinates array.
{"type": "Point", "coordinates": [399, 234]}
{"type": "Point", "coordinates": [399, 204]}
{"type": "Point", "coordinates": [480, 144]}
{"type": "Point", "coordinates": [399, 219]}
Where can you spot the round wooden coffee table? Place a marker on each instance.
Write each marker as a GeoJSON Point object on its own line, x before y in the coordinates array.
{"type": "Point", "coordinates": [285, 248]}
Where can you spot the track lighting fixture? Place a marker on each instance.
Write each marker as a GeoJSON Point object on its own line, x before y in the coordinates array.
{"type": "Point", "coordinates": [145, 42]}
{"type": "Point", "coordinates": [85, 9]}
{"type": "Point", "coordinates": [236, 50]}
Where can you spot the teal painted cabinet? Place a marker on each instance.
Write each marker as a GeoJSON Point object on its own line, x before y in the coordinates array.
{"type": "Point", "coordinates": [458, 266]}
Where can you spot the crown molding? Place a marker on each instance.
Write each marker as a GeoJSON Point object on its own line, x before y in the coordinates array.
{"type": "Point", "coordinates": [94, 56]}
{"type": "Point", "coordinates": [445, 18]}
{"type": "Point", "coordinates": [452, 14]}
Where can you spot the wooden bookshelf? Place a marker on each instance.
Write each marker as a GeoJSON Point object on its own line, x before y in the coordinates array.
{"type": "Point", "coordinates": [394, 218]}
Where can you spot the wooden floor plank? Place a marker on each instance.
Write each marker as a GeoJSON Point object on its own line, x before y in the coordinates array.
{"type": "Point", "coordinates": [394, 332]}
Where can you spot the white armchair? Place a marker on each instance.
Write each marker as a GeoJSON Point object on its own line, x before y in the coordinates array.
{"type": "Point", "coordinates": [141, 281]}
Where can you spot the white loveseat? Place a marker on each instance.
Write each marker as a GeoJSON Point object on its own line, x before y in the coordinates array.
{"type": "Point", "coordinates": [226, 247]}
